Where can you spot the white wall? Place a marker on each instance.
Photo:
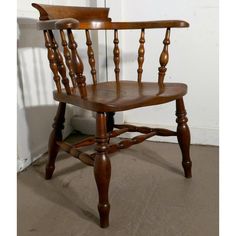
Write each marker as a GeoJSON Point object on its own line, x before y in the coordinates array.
{"type": "Point", "coordinates": [35, 105]}
{"type": "Point", "coordinates": [193, 60]}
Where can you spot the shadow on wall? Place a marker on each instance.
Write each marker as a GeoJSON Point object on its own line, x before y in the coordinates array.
{"type": "Point", "coordinates": [35, 106]}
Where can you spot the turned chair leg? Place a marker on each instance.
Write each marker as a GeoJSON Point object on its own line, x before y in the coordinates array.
{"type": "Point", "coordinates": [102, 169]}
{"type": "Point", "coordinates": [183, 135]}
{"type": "Point", "coordinates": [56, 135]}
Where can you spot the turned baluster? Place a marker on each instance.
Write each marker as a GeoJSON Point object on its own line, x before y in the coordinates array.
{"type": "Point", "coordinates": [52, 60]}
{"type": "Point", "coordinates": [102, 169]}
{"type": "Point", "coordinates": [60, 64]}
{"type": "Point", "coordinates": [164, 58]}
{"type": "Point", "coordinates": [141, 52]}
{"type": "Point", "coordinates": [77, 64]}
{"type": "Point", "coordinates": [116, 53]}
{"type": "Point", "coordinates": [183, 135]}
{"type": "Point", "coordinates": [67, 56]}
{"type": "Point", "coordinates": [91, 58]}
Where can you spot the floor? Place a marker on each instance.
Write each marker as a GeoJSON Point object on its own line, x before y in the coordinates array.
{"type": "Point", "coordinates": [148, 194]}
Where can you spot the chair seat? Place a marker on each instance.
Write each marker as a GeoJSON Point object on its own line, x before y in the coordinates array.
{"type": "Point", "coordinates": [125, 95]}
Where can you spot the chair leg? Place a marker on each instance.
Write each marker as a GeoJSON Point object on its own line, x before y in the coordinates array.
{"type": "Point", "coordinates": [183, 135]}
{"type": "Point", "coordinates": [102, 169]}
{"type": "Point", "coordinates": [56, 135]}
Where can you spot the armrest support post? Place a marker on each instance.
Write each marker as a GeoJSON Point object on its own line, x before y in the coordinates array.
{"type": "Point", "coordinates": [164, 58]}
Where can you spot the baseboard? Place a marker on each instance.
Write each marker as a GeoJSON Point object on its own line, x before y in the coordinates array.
{"type": "Point", "coordinates": [24, 163]}
{"type": "Point", "coordinates": [202, 136]}
{"type": "Point", "coordinates": [38, 152]}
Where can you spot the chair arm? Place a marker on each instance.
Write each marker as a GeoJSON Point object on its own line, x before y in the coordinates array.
{"type": "Point", "coordinates": [71, 23]}
{"type": "Point", "coordinates": [52, 24]}
{"type": "Point", "coordinates": [131, 25]}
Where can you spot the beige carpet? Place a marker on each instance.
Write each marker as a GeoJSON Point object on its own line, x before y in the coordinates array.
{"type": "Point", "coordinates": [148, 195]}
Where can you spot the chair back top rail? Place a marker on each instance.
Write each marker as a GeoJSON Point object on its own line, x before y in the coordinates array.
{"type": "Point", "coordinates": [65, 17]}
{"type": "Point", "coordinates": [51, 12]}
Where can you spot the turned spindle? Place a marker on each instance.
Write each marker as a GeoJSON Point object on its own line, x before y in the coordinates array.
{"type": "Point", "coordinates": [77, 64]}
{"type": "Point", "coordinates": [60, 64]}
{"type": "Point", "coordinates": [141, 52]}
{"type": "Point", "coordinates": [68, 60]}
{"type": "Point", "coordinates": [116, 53]}
{"type": "Point", "coordinates": [52, 60]}
{"type": "Point", "coordinates": [91, 58]}
{"type": "Point", "coordinates": [164, 58]}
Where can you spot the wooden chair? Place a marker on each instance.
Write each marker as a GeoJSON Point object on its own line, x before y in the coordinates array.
{"type": "Point", "coordinates": [108, 97]}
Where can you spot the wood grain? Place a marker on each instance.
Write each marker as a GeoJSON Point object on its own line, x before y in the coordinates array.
{"type": "Point", "coordinates": [141, 52]}
{"type": "Point", "coordinates": [183, 135]}
{"type": "Point", "coordinates": [71, 23]}
{"type": "Point", "coordinates": [109, 97]}
{"type": "Point", "coordinates": [68, 59]}
{"type": "Point", "coordinates": [91, 58]}
{"type": "Point", "coordinates": [102, 169]}
{"type": "Point", "coordinates": [164, 58]}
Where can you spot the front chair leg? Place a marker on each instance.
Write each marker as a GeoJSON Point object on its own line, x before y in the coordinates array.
{"type": "Point", "coordinates": [56, 135]}
{"type": "Point", "coordinates": [183, 135]}
{"type": "Point", "coordinates": [102, 169]}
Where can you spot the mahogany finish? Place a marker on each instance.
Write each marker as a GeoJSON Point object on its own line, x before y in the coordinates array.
{"type": "Point", "coordinates": [141, 52]}
{"type": "Point", "coordinates": [91, 58]}
{"type": "Point", "coordinates": [108, 97]}
{"type": "Point", "coordinates": [71, 23]}
{"type": "Point", "coordinates": [183, 135]}
{"type": "Point", "coordinates": [116, 53]}
{"type": "Point", "coordinates": [55, 136]}
{"type": "Point", "coordinates": [102, 169]}
{"type": "Point", "coordinates": [164, 58]}
{"type": "Point", "coordinates": [68, 58]}
{"type": "Point", "coordinates": [52, 60]}
{"type": "Point", "coordinates": [50, 12]}
{"type": "Point", "coordinates": [77, 64]}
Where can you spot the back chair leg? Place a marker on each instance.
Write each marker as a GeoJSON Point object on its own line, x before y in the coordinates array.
{"type": "Point", "coordinates": [56, 135]}
{"type": "Point", "coordinates": [183, 135]}
{"type": "Point", "coordinates": [102, 169]}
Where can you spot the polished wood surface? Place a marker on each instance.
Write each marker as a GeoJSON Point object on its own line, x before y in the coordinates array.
{"type": "Point", "coordinates": [91, 58]}
{"type": "Point", "coordinates": [52, 60]}
{"type": "Point", "coordinates": [164, 58]}
{"type": "Point", "coordinates": [68, 59]}
{"type": "Point", "coordinates": [71, 23]}
{"type": "Point", "coordinates": [141, 52]}
{"type": "Point", "coordinates": [49, 12]}
{"type": "Point", "coordinates": [60, 63]}
{"type": "Point", "coordinates": [77, 64]}
{"type": "Point", "coordinates": [108, 97]}
{"type": "Point", "coordinates": [55, 136]}
{"type": "Point", "coordinates": [102, 169]}
{"type": "Point", "coordinates": [116, 53]}
{"type": "Point", "coordinates": [183, 135]}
